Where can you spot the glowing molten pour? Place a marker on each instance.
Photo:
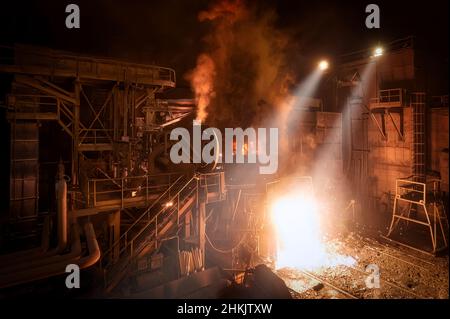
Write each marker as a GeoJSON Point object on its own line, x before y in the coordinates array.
{"type": "Point", "coordinates": [299, 244]}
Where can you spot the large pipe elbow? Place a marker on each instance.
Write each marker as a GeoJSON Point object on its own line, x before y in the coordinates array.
{"type": "Point", "coordinates": [92, 244]}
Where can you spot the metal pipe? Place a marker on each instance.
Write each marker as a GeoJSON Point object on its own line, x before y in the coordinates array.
{"type": "Point", "coordinates": [54, 266]}
{"type": "Point", "coordinates": [16, 257]}
{"type": "Point", "coordinates": [44, 260]}
{"type": "Point", "coordinates": [57, 265]}
{"type": "Point", "coordinates": [61, 208]}
{"type": "Point", "coordinates": [94, 249]}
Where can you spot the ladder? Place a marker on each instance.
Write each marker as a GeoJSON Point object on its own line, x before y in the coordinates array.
{"type": "Point", "coordinates": [24, 169]}
{"type": "Point", "coordinates": [24, 174]}
{"type": "Point", "coordinates": [419, 138]}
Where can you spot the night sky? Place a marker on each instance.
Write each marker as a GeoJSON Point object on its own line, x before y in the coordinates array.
{"type": "Point", "coordinates": [169, 33]}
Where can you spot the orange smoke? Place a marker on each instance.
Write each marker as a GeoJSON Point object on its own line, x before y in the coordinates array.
{"type": "Point", "coordinates": [203, 76]}
{"type": "Point", "coordinates": [241, 75]}
{"type": "Point", "coordinates": [202, 81]}
{"type": "Point", "coordinates": [229, 9]}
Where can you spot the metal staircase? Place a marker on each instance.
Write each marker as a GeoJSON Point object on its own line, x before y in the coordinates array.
{"type": "Point", "coordinates": [160, 220]}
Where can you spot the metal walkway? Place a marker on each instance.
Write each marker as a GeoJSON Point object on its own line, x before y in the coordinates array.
{"type": "Point", "coordinates": [23, 59]}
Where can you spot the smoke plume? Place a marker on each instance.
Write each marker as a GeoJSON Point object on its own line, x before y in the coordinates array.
{"type": "Point", "coordinates": [202, 80]}
{"type": "Point", "coordinates": [240, 79]}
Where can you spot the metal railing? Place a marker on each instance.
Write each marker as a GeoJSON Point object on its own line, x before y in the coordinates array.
{"type": "Point", "coordinates": [144, 217]}
{"type": "Point", "coordinates": [96, 136]}
{"type": "Point", "coordinates": [155, 224]}
{"type": "Point", "coordinates": [72, 65]}
{"type": "Point", "coordinates": [213, 184]}
{"type": "Point", "coordinates": [416, 192]}
{"type": "Point", "coordinates": [113, 191]}
{"type": "Point", "coordinates": [33, 103]}
{"type": "Point", "coordinates": [410, 191]}
{"type": "Point", "coordinates": [389, 97]}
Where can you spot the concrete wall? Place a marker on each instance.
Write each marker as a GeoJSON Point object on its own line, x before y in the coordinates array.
{"type": "Point", "coordinates": [438, 130]}
{"type": "Point", "coordinates": [396, 67]}
{"type": "Point", "coordinates": [438, 144]}
{"type": "Point", "coordinates": [372, 163]}
{"type": "Point", "coordinates": [392, 158]}
{"type": "Point", "coordinates": [389, 158]}
{"type": "Point", "coordinates": [315, 143]}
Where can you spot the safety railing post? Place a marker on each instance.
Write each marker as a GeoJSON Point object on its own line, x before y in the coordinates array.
{"type": "Point", "coordinates": [197, 192]}
{"type": "Point", "coordinates": [178, 209]}
{"type": "Point", "coordinates": [95, 193]}
{"type": "Point", "coordinates": [425, 193]}
{"type": "Point", "coordinates": [156, 227]}
{"type": "Point", "coordinates": [121, 192]}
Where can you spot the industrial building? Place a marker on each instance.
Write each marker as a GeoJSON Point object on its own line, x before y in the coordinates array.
{"type": "Point", "coordinates": [362, 182]}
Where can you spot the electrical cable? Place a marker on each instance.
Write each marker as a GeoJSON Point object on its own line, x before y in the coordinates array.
{"type": "Point", "coordinates": [222, 250]}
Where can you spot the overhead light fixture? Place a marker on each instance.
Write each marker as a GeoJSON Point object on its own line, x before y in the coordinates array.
{"type": "Point", "coordinates": [378, 51]}
{"type": "Point", "coordinates": [323, 65]}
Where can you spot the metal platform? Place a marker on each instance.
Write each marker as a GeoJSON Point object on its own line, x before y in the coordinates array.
{"type": "Point", "coordinates": [23, 59]}
{"type": "Point", "coordinates": [388, 99]}
{"type": "Point", "coordinates": [422, 206]}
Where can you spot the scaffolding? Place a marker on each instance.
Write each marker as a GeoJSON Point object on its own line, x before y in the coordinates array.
{"type": "Point", "coordinates": [111, 121]}
{"type": "Point", "coordinates": [423, 207]}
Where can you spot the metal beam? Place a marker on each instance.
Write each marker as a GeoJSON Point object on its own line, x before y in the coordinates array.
{"type": "Point", "coordinates": [96, 115]}
{"type": "Point", "coordinates": [400, 133]}
{"type": "Point", "coordinates": [76, 132]}
{"type": "Point", "coordinates": [34, 83]}
{"type": "Point", "coordinates": [378, 125]}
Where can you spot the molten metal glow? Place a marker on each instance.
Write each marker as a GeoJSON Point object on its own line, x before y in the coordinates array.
{"type": "Point", "coordinates": [299, 242]}
{"type": "Point", "coordinates": [323, 65]}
